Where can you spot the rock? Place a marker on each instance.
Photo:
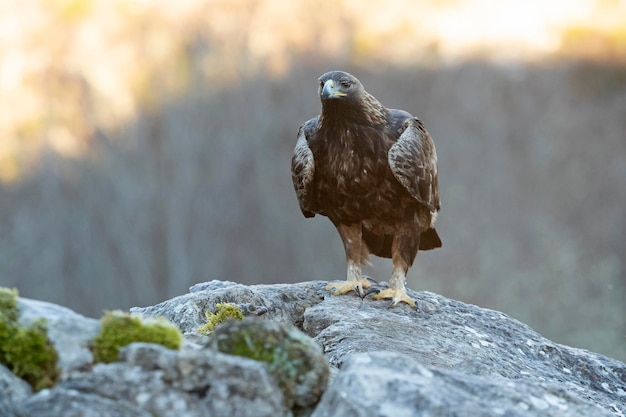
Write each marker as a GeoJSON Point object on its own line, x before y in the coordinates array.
{"type": "Point", "coordinates": [281, 302]}
{"type": "Point", "coordinates": [405, 387]}
{"type": "Point", "coordinates": [69, 331]}
{"type": "Point", "coordinates": [6, 408]}
{"type": "Point", "coordinates": [468, 341]}
{"type": "Point", "coordinates": [188, 383]}
{"type": "Point", "coordinates": [13, 390]}
{"type": "Point", "coordinates": [293, 359]}
{"type": "Point", "coordinates": [444, 358]}
{"type": "Point", "coordinates": [60, 402]}
{"type": "Point", "coordinates": [228, 385]}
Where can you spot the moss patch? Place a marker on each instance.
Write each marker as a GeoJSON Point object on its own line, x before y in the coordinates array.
{"type": "Point", "coordinates": [225, 311]}
{"type": "Point", "coordinates": [294, 360]}
{"type": "Point", "coordinates": [8, 320]}
{"type": "Point", "coordinates": [26, 351]}
{"type": "Point", "coordinates": [120, 329]}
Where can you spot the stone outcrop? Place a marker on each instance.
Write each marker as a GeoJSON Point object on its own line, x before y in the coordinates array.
{"type": "Point", "coordinates": [444, 358]}
{"type": "Point", "coordinates": [151, 380]}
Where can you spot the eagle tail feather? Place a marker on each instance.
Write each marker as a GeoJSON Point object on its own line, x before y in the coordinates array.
{"type": "Point", "coordinates": [430, 240]}
{"type": "Point", "coordinates": [378, 245]}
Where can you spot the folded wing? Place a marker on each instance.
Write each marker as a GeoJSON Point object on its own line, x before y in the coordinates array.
{"type": "Point", "coordinates": [413, 161]}
{"type": "Point", "coordinates": [303, 169]}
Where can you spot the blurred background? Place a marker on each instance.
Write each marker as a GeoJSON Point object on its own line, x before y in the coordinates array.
{"type": "Point", "coordinates": [145, 146]}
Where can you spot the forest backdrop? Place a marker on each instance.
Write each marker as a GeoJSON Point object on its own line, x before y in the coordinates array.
{"type": "Point", "coordinates": [145, 146]}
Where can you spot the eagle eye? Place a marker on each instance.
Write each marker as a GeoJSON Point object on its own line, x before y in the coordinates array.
{"type": "Point", "coordinates": [346, 84]}
{"type": "Point", "coordinates": [321, 83]}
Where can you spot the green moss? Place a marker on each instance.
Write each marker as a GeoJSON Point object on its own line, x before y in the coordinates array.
{"type": "Point", "coordinates": [120, 329]}
{"type": "Point", "coordinates": [8, 320]}
{"type": "Point", "coordinates": [225, 311]}
{"type": "Point", "coordinates": [32, 356]}
{"type": "Point", "coordinates": [26, 351]}
{"type": "Point", "coordinates": [8, 304]}
{"type": "Point", "coordinates": [293, 359]}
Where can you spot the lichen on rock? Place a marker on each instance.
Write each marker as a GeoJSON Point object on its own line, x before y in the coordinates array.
{"type": "Point", "coordinates": [224, 312]}
{"type": "Point", "coordinates": [120, 329]}
{"type": "Point", "coordinates": [293, 359]}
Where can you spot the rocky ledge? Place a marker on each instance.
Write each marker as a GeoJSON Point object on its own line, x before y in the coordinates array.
{"type": "Point", "coordinates": [445, 358]}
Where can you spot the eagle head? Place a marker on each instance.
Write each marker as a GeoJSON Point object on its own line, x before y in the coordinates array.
{"type": "Point", "coordinates": [339, 85]}
{"type": "Point", "coordinates": [344, 100]}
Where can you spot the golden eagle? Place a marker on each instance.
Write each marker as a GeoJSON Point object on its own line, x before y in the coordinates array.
{"type": "Point", "coordinates": [373, 172]}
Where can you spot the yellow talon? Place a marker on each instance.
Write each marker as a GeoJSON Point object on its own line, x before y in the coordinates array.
{"type": "Point", "coordinates": [397, 296]}
{"type": "Point", "coordinates": [357, 285]}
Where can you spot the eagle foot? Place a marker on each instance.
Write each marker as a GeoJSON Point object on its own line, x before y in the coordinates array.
{"type": "Point", "coordinates": [357, 285]}
{"type": "Point", "coordinates": [397, 296]}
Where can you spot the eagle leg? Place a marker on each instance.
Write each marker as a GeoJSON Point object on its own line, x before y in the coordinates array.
{"type": "Point", "coordinates": [354, 247]}
{"type": "Point", "coordinates": [397, 289]}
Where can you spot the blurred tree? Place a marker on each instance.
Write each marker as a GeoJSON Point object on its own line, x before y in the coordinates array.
{"type": "Point", "coordinates": [145, 146]}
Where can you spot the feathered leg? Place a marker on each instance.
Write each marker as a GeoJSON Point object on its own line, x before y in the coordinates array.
{"type": "Point", "coordinates": [403, 251]}
{"type": "Point", "coordinates": [355, 252]}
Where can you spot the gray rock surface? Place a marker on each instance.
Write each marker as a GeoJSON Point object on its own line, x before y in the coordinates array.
{"type": "Point", "coordinates": [445, 358]}
{"type": "Point", "coordinates": [405, 387]}
{"type": "Point", "coordinates": [468, 340]}
{"type": "Point", "coordinates": [154, 381]}
{"type": "Point", "coordinates": [442, 334]}
{"type": "Point", "coordinates": [280, 302]}
{"type": "Point", "coordinates": [69, 403]}
{"type": "Point", "coordinates": [13, 390]}
{"type": "Point", "coordinates": [69, 331]}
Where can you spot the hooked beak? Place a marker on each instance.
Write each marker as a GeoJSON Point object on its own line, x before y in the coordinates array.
{"type": "Point", "coordinates": [329, 90]}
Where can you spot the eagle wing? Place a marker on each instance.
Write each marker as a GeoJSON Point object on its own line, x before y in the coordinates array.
{"type": "Point", "coordinates": [413, 161]}
{"type": "Point", "coordinates": [303, 168]}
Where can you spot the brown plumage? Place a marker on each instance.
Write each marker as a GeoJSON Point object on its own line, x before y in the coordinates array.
{"type": "Point", "coordinates": [373, 172]}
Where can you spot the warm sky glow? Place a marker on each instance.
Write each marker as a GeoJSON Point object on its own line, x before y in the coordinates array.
{"type": "Point", "coordinates": [502, 27]}
{"type": "Point", "coordinates": [507, 29]}
{"type": "Point", "coordinates": [71, 64]}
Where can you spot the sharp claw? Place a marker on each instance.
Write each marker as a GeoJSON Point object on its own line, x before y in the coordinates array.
{"type": "Point", "coordinates": [371, 290]}
{"type": "Point", "coordinates": [358, 290]}
{"type": "Point", "coordinates": [396, 303]}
